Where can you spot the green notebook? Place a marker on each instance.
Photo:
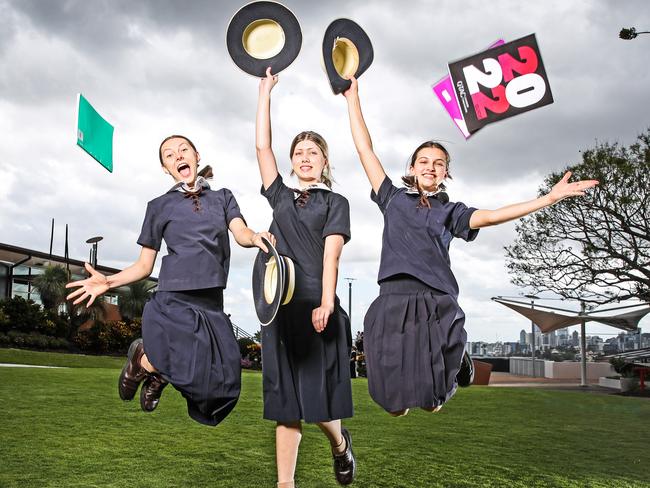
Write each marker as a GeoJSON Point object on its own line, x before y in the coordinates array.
{"type": "Point", "coordinates": [94, 134]}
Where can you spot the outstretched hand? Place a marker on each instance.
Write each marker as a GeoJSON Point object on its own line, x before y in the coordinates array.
{"type": "Point", "coordinates": [90, 288]}
{"type": "Point", "coordinates": [353, 91]}
{"type": "Point", "coordinates": [563, 189]}
{"type": "Point", "coordinates": [268, 82]}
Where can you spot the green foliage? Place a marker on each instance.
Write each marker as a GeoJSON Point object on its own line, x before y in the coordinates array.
{"type": "Point", "coordinates": [4, 320]}
{"type": "Point", "coordinates": [51, 286]}
{"type": "Point", "coordinates": [23, 315]}
{"type": "Point", "coordinates": [622, 367]}
{"type": "Point", "coordinates": [244, 342]}
{"type": "Point", "coordinates": [109, 337]}
{"type": "Point", "coordinates": [132, 302]}
{"type": "Point", "coordinates": [32, 340]}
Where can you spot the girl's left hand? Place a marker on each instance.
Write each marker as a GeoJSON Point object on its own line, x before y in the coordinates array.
{"type": "Point", "coordinates": [268, 82]}
{"type": "Point", "coordinates": [563, 189]}
{"type": "Point", "coordinates": [320, 315]}
{"type": "Point", "coordinates": [257, 240]}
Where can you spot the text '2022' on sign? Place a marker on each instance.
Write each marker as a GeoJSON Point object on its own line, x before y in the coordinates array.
{"type": "Point", "coordinates": [500, 82]}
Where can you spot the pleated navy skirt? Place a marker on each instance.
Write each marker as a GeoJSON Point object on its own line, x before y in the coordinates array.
{"type": "Point", "coordinates": [189, 339]}
{"type": "Point", "coordinates": [413, 340]}
{"type": "Point", "coordinates": [306, 374]}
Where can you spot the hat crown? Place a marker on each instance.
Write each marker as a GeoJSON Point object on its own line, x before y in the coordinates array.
{"type": "Point", "coordinates": [263, 38]}
{"type": "Point", "coordinates": [345, 57]}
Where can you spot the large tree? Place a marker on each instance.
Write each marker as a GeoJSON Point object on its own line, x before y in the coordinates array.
{"type": "Point", "coordinates": [595, 248]}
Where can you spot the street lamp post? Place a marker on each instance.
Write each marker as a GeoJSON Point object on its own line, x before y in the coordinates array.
{"type": "Point", "coordinates": [93, 252]}
{"type": "Point", "coordinates": [350, 280]}
{"type": "Point", "coordinates": [583, 347]}
{"type": "Point", "coordinates": [532, 332]}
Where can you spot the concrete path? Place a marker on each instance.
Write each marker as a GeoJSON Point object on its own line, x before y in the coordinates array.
{"type": "Point", "coordinates": [8, 365]}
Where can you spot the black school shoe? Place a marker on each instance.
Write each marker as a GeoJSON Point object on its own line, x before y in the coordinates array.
{"type": "Point", "coordinates": [465, 375]}
{"type": "Point", "coordinates": [345, 466]}
{"type": "Point", "coordinates": [150, 392]}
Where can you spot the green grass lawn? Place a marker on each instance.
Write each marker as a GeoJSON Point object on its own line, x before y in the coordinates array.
{"type": "Point", "coordinates": [68, 428]}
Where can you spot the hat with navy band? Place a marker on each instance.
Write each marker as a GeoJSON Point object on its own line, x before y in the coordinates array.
{"type": "Point", "coordinates": [263, 34]}
{"type": "Point", "coordinates": [273, 282]}
{"type": "Point", "coordinates": [347, 51]}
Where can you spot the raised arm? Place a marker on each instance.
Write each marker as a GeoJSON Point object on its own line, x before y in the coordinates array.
{"type": "Point", "coordinates": [562, 189]}
{"type": "Point", "coordinates": [98, 284]}
{"type": "Point", "coordinates": [247, 237]}
{"type": "Point", "coordinates": [332, 254]}
{"type": "Point", "coordinates": [265, 156]}
{"type": "Point", "coordinates": [361, 137]}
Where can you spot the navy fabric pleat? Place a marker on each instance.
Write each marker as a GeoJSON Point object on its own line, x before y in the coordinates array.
{"type": "Point", "coordinates": [413, 343]}
{"type": "Point", "coordinates": [306, 374]}
{"type": "Point", "coordinates": [189, 340]}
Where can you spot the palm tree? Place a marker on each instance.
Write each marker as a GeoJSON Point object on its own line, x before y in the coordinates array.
{"type": "Point", "coordinates": [51, 287]}
{"type": "Point", "coordinates": [131, 302]}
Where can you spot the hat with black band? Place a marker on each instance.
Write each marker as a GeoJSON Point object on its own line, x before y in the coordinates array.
{"type": "Point", "coordinates": [347, 51]}
{"type": "Point", "coordinates": [263, 34]}
{"type": "Point", "coordinates": [273, 282]}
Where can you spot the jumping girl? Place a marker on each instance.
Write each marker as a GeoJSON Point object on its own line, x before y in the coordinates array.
{"type": "Point", "coordinates": [187, 338]}
{"type": "Point", "coordinates": [413, 332]}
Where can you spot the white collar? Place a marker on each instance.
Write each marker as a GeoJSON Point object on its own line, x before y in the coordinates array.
{"type": "Point", "coordinates": [315, 186]}
{"type": "Point", "coordinates": [414, 191]}
{"type": "Point", "coordinates": [183, 187]}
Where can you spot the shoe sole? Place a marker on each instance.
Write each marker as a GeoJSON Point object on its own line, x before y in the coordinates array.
{"type": "Point", "coordinates": [129, 356]}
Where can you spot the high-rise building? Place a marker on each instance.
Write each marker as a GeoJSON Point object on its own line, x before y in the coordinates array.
{"type": "Point", "coordinates": [522, 337]}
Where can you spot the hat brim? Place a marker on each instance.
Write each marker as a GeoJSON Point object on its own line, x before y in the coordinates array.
{"type": "Point", "coordinates": [284, 283]}
{"type": "Point", "coordinates": [256, 11]}
{"type": "Point", "coordinates": [348, 29]}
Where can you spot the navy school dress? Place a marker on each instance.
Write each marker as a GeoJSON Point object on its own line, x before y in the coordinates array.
{"type": "Point", "coordinates": [413, 332]}
{"type": "Point", "coordinates": [186, 335]}
{"type": "Point", "coordinates": [306, 374]}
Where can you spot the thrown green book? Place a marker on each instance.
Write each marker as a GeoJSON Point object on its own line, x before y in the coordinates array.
{"type": "Point", "coordinates": [94, 134]}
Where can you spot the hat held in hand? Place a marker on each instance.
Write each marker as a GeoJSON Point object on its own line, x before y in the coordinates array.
{"type": "Point", "coordinates": [263, 34]}
{"type": "Point", "coordinates": [347, 51]}
{"type": "Point", "coordinates": [273, 282]}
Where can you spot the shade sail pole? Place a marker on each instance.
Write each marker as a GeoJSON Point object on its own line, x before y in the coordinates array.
{"type": "Point", "coordinates": [583, 347]}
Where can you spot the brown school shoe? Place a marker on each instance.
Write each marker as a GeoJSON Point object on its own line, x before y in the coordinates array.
{"type": "Point", "coordinates": [345, 466]}
{"type": "Point", "coordinates": [150, 392]}
{"type": "Point", "coordinates": [132, 373]}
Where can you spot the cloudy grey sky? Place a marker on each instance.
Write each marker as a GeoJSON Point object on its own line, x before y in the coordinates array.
{"type": "Point", "coordinates": [154, 68]}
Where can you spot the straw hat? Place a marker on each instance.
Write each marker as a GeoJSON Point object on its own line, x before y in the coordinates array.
{"type": "Point", "coordinates": [347, 51]}
{"type": "Point", "coordinates": [273, 282]}
{"type": "Point", "coordinates": [263, 34]}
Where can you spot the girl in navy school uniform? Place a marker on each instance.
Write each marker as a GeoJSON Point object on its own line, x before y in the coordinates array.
{"type": "Point", "coordinates": [187, 338]}
{"type": "Point", "coordinates": [413, 332]}
{"type": "Point", "coordinates": [306, 349]}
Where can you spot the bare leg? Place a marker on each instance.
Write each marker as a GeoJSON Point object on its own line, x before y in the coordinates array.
{"type": "Point", "coordinates": [287, 441]}
{"type": "Point", "coordinates": [332, 430]}
{"type": "Point", "coordinates": [144, 362]}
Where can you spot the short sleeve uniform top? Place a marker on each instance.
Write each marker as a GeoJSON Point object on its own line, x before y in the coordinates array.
{"type": "Point", "coordinates": [300, 232]}
{"type": "Point", "coordinates": [416, 239]}
{"type": "Point", "coordinates": [197, 241]}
